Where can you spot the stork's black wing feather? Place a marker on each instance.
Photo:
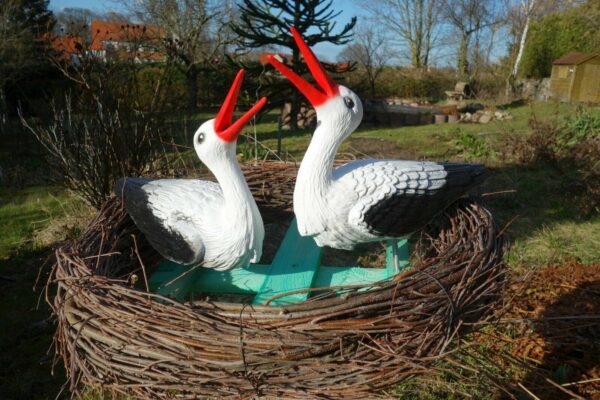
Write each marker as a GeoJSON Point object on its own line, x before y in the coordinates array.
{"type": "Point", "coordinates": [162, 210]}
{"type": "Point", "coordinates": [407, 210]}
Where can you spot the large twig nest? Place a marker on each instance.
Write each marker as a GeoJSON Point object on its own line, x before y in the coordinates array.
{"type": "Point", "coordinates": [115, 336]}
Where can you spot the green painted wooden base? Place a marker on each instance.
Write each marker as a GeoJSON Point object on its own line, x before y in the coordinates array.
{"type": "Point", "coordinates": [296, 266]}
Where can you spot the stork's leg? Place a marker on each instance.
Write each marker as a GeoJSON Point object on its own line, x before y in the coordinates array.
{"type": "Point", "coordinates": [395, 255]}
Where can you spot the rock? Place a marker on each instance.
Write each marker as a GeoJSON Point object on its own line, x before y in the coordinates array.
{"type": "Point", "coordinates": [485, 118]}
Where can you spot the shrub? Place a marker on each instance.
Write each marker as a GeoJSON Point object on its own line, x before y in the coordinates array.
{"type": "Point", "coordinates": [572, 146]}
{"type": "Point", "coordinates": [110, 126]}
{"type": "Point", "coordinates": [559, 33]}
{"type": "Point", "coordinates": [405, 83]}
{"type": "Point", "coordinates": [473, 146]}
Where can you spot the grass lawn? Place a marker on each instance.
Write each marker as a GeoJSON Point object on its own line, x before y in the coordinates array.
{"type": "Point", "coordinates": [546, 226]}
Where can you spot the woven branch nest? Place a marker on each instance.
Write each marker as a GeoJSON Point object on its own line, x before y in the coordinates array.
{"type": "Point", "coordinates": [115, 335]}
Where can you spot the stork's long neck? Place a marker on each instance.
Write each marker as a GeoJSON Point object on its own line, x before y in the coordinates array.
{"type": "Point", "coordinates": [239, 209]}
{"type": "Point", "coordinates": [314, 179]}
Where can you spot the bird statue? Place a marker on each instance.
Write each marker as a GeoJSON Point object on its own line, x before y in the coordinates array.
{"type": "Point", "coordinates": [365, 200]}
{"type": "Point", "coordinates": [197, 222]}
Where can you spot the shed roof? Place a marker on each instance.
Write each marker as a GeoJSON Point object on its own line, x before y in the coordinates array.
{"type": "Point", "coordinates": [573, 58]}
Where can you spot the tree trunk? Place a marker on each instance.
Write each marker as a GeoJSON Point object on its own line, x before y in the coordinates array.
{"type": "Point", "coordinates": [463, 57]}
{"type": "Point", "coordinates": [416, 58]}
{"type": "Point", "coordinates": [372, 84]}
{"type": "Point", "coordinates": [512, 77]}
{"type": "Point", "coordinates": [191, 78]}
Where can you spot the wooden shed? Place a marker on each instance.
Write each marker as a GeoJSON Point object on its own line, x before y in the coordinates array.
{"type": "Point", "coordinates": [576, 76]}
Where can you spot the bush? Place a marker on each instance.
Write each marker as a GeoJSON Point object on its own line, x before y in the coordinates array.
{"type": "Point", "coordinates": [557, 34]}
{"type": "Point", "coordinates": [149, 76]}
{"type": "Point", "coordinates": [405, 83]}
{"type": "Point", "coordinates": [109, 127]}
{"type": "Point", "coordinates": [490, 82]}
{"type": "Point", "coordinates": [573, 147]}
{"type": "Point", "coordinates": [473, 146]}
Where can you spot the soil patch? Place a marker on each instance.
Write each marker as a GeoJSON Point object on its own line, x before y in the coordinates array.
{"type": "Point", "coordinates": [556, 329]}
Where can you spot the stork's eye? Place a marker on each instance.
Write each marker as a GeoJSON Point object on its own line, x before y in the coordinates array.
{"type": "Point", "coordinates": [200, 138]}
{"type": "Point", "coordinates": [349, 102]}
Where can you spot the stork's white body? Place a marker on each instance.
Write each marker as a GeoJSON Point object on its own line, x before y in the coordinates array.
{"type": "Point", "coordinates": [189, 221]}
{"type": "Point", "coordinates": [369, 200]}
{"type": "Point", "coordinates": [336, 215]}
{"type": "Point", "coordinates": [366, 200]}
{"type": "Point", "coordinates": [192, 221]}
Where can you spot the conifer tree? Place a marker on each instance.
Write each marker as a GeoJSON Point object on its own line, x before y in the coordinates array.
{"type": "Point", "coordinates": [268, 22]}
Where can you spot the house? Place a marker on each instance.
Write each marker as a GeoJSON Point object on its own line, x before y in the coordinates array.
{"type": "Point", "coordinates": [576, 76]}
{"type": "Point", "coordinates": [124, 40]}
{"type": "Point", "coordinates": [64, 48]}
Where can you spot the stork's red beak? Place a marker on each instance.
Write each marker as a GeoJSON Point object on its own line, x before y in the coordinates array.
{"type": "Point", "coordinates": [316, 97]}
{"type": "Point", "coordinates": [224, 127]}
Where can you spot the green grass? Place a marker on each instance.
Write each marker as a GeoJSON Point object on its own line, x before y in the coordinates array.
{"type": "Point", "coordinates": [25, 211]}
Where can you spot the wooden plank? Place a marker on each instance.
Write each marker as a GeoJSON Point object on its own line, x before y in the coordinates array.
{"type": "Point", "coordinates": [344, 276]}
{"type": "Point", "coordinates": [402, 249]}
{"type": "Point", "coordinates": [294, 267]}
{"type": "Point", "coordinates": [173, 280]}
{"type": "Point", "coordinates": [250, 279]}
{"type": "Point", "coordinates": [239, 280]}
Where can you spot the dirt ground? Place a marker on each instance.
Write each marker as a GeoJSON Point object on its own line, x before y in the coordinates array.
{"type": "Point", "coordinates": [553, 325]}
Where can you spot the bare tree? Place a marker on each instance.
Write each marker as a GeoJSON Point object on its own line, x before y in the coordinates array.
{"type": "Point", "coordinates": [469, 18]}
{"type": "Point", "coordinates": [369, 51]}
{"type": "Point", "coordinates": [197, 34]}
{"type": "Point", "coordinates": [75, 21]}
{"type": "Point", "coordinates": [414, 22]}
{"type": "Point", "coordinates": [520, 17]}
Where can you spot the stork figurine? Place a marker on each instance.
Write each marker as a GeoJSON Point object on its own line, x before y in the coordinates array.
{"type": "Point", "coordinates": [365, 200]}
{"type": "Point", "coordinates": [190, 221]}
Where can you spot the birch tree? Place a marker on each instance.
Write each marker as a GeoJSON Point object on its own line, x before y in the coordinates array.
{"type": "Point", "coordinates": [522, 16]}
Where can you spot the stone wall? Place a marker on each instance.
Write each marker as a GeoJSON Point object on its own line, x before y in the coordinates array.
{"type": "Point", "coordinates": [534, 89]}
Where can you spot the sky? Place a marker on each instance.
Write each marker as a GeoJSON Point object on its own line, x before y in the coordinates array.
{"type": "Point", "coordinates": [326, 51]}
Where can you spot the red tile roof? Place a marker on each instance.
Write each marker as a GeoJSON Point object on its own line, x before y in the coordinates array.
{"type": "Point", "coordinates": [64, 46]}
{"type": "Point", "coordinates": [573, 58]}
{"type": "Point", "coordinates": [122, 31]}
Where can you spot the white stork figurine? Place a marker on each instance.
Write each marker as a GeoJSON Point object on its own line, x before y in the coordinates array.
{"type": "Point", "coordinates": [190, 221]}
{"type": "Point", "coordinates": [366, 200]}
